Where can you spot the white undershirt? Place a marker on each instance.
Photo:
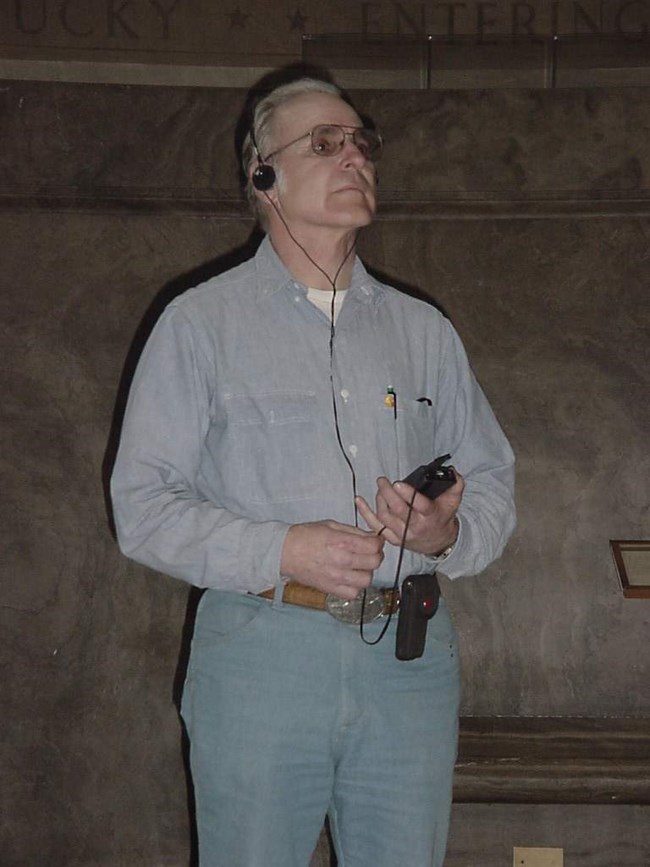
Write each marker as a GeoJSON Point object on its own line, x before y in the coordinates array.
{"type": "Point", "coordinates": [322, 298]}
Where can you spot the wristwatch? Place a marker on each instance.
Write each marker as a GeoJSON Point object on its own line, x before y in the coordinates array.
{"type": "Point", "coordinates": [447, 551]}
{"type": "Point", "coordinates": [443, 554]}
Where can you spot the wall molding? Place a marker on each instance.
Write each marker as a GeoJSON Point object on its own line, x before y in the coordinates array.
{"type": "Point", "coordinates": [546, 760]}
{"type": "Point", "coordinates": [394, 204]}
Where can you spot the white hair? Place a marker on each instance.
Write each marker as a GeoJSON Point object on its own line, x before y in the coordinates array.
{"type": "Point", "coordinates": [257, 141]}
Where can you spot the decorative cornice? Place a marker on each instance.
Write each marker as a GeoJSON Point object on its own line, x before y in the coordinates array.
{"type": "Point", "coordinates": [395, 204]}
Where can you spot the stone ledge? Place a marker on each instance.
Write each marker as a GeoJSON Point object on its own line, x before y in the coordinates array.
{"type": "Point", "coordinates": [394, 205]}
{"type": "Point", "coordinates": [543, 760]}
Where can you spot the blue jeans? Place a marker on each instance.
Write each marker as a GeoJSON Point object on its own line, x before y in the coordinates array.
{"type": "Point", "coordinates": [291, 716]}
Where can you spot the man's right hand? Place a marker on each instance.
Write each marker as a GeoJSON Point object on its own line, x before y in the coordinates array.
{"type": "Point", "coordinates": [335, 558]}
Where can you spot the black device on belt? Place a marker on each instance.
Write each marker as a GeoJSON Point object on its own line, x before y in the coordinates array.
{"type": "Point", "coordinates": [420, 594]}
{"type": "Point", "coordinates": [419, 600]}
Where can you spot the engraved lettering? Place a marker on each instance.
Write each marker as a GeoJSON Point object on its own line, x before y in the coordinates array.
{"type": "Point", "coordinates": [641, 32]}
{"type": "Point", "coordinates": [628, 20]}
{"type": "Point", "coordinates": [482, 21]}
{"type": "Point", "coordinates": [402, 14]}
{"type": "Point", "coordinates": [580, 13]}
{"type": "Point", "coordinates": [67, 26]}
{"type": "Point", "coordinates": [114, 17]}
{"type": "Point", "coordinates": [451, 16]}
{"type": "Point", "coordinates": [20, 19]}
{"type": "Point", "coordinates": [525, 23]}
{"type": "Point", "coordinates": [165, 13]}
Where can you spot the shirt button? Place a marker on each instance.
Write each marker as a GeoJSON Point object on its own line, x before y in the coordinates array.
{"type": "Point", "coordinates": [353, 451]}
{"type": "Point", "coordinates": [345, 394]}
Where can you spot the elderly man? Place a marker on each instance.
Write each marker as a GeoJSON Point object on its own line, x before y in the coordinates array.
{"type": "Point", "coordinates": [271, 407]}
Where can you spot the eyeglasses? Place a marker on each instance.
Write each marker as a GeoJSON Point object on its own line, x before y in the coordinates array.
{"type": "Point", "coordinates": [328, 140]}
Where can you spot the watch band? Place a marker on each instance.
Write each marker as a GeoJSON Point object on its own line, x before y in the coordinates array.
{"type": "Point", "coordinates": [443, 554]}
{"type": "Point", "coordinates": [447, 551]}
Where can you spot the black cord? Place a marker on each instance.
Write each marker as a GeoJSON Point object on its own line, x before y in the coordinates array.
{"type": "Point", "coordinates": [313, 262]}
{"type": "Point", "coordinates": [395, 586]}
{"type": "Point", "coordinates": [332, 283]}
{"type": "Point", "coordinates": [339, 439]}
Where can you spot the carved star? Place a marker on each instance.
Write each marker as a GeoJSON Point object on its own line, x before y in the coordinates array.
{"type": "Point", "coordinates": [238, 18]}
{"type": "Point", "coordinates": [297, 21]}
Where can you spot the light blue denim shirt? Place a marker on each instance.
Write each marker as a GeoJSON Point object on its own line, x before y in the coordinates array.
{"type": "Point", "coordinates": [229, 434]}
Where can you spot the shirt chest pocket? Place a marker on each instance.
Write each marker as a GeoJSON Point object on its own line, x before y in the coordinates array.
{"type": "Point", "coordinates": [274, 439]}
{"type": "Point", "coordinates": [408, 435]}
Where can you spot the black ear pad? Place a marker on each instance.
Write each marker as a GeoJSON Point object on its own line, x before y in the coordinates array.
{"type": "Point", "coordinates": [263, 177]}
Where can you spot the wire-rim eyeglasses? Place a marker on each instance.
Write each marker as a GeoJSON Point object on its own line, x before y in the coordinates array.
{"type": "Point", "coordinates": [328, 140]}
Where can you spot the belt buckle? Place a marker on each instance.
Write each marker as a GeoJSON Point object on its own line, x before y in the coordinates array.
{"type": "Point", "coordinates": [349, 610]}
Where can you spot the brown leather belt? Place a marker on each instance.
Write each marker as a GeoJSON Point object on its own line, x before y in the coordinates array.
{"type": "Point", "coordinates": [309, 597]}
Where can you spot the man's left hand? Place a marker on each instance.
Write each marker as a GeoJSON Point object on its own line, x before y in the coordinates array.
{"type": "Point", "coordinates": [433, 525]}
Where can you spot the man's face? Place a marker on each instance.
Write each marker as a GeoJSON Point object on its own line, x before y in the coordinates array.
{"type": "Point", "coordinates": [313, 191]}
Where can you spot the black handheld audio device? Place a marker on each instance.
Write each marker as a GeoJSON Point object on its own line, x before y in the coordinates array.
{"type": "Point", "coordinates": [432, 479]}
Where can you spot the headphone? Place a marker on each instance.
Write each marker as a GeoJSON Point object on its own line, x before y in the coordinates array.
{"type": "Point", "coordinates": [263, 178]}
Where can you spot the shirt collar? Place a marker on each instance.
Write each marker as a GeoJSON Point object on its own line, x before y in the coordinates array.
{"type": "Point", "coordinates": [273, 275]}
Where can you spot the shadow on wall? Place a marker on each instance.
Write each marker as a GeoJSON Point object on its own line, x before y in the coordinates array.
{"type": "Point", "coordinates": [168, 292]}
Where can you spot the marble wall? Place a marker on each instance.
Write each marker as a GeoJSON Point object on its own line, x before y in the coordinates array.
{"type": "Point", "coordinates": [525, 215]}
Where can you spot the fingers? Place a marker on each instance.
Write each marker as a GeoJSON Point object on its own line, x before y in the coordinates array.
{"type": "Point", "coordinates": [332, 557]}
{"type": "Point", "coordinates": [369, 516]}
{"type": "Point", "coordinates": [385, 524]}
{"type": "Point", "coordinates": [348, 587]}
{"type": "Point", "coordinates": [355, 545]}
{"type": "Point", "coordinates": [350, 531]}
{"type": "Point", "coordinates": [404, 516]}
{"type": "Point", "coordinates": [354, 557]}
{"type": "Point", "coordinates": [398, 497]}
